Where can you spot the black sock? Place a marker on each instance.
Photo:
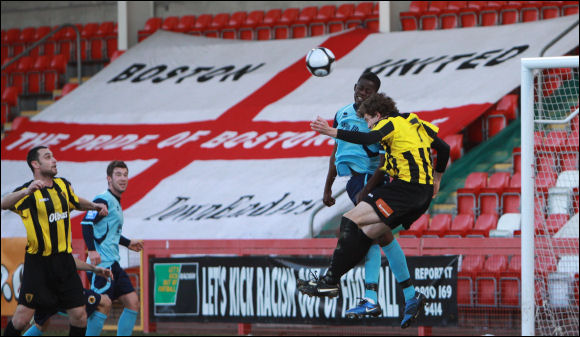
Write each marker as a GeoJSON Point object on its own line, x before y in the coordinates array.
{"type": "Point", "coordinates": [11, 330]}
{"type": "Point", "coordinates": [352, 246]}
{"type": "Point", "coordinates": [77, 331]}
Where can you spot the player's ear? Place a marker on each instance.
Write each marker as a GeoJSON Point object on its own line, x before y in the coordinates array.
{"type": "Point", "coordinates": [35, 164]}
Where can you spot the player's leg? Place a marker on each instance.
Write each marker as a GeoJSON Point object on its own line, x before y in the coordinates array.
{"type": "Point", "coordinates": [22, 315]}
{"type": "Point", "coordinates": [368, 306]}
{"type": "Point", "coordinates": [129, 315]}
{"type": "Point", "coordinates": [40, 322]}
{"type": "Point", "coordinates": [70, 293]}
{"type": "Point", "coordinates": [98, 307]}
{"type": "Point", "coordinates": [34, 330]}
{"type": "Point", "coordinates": [78, 321]}
{"type": "Point", "coordinates": [124, 291]}
{"type": "Point", "coordinates": [353, 244]}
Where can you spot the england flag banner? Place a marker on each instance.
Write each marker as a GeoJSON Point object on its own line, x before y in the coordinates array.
{"type": "Point", "coordinates": [216, 132]}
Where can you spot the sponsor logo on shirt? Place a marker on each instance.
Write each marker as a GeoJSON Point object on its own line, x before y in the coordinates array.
{"type": "Point", "coordinates": [56, 216]}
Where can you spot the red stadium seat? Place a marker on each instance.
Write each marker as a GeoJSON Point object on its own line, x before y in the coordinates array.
{"type": "Point", "coordinates": [18, 77]}
{"type": "Point", "coordinates": [409, 20]}
{"type": "Point", "coordinates": [530, 12]}
{"type": "Point", "coordinates": [468, 17]}
{"type": "Point", "coordinates": [318, 26]}
{"type": "Point", "coordinates": [300, 26]}
{"type": "Point", "coordinates": [549, 11]}
{"type": "Point", "coordinates": [467, 196]}
{"type": "Point", "coordinates": [489, 16]}
{"type": "Point", "coordinates": [449, 19]}
{"type": "Point", "coordinates": [34, 77]}
{"type": "Point", "coordinates": [429, 20]}
{"type": "Point", "coordinates": [338, 22]}
{"type": "Point", "coordinates": [490, 196]}
{"type": "Point", "coordinates": [461, 225]}
{"type": "Point", "coordinates": [67, 89]}
{"type": "Point", "coordinates": [570, 8]}
{"type": "Point", "coordinates": [545, 163]}
{"type": "Point", "coordinates": [218, 22]}
{"type": "Point", "coordinates": [54, 76]}
{"type": "Point", "coordinates": [185, 24]}
{"type": "Point", "coordinates": [569, 161]}
{"type": "Point", "coordinates": [509, 14]}
{"type": "Point", "coordinates": [496, 122]}
{"type": "Point", "coordinates": [201, 24]}
{"type": "Point", "coordinates": [517, 159]}
{"type": "Point", "coordinates": [440, 224]}
{"type": "Point", "coordinates": [170, 23]}
{"type": "Point", "coordinates": [151, 26]}
{"type": "Point", "coordinates": [371, 22]}
{"type": "Point", "coordinates": [264, 30]}
{"type": "Point", "coordinates": [470, 266]}
{"type": "Point", "coordinates": [555, 222]}
{"type": "Point", "coordinates": [508, 106]}
{"type": "Point", "coordinates": [282, 28]}
{"type": "Point", "coordinates": [418, 227]}
{"type": "Point", "coordinates": [486, 282]}
{"type": "Point", "coordinates": [509, 283]}
{"type": "Point", "coordinates": [483, 225]}
{"type": "Point", "coordinates": [247, 30]}
{"type": "Point", "coordinates": [455, 143]}
{"type": "Point", "coordinates": [362, 11]}
{"type": "Point", "coordinates": [230, 31]}
{"type": "Point", "coordinates": [9, 101]}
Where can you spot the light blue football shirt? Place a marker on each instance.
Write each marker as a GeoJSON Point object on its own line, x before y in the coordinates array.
{"type": "Point", "coordinates": [360, 158]}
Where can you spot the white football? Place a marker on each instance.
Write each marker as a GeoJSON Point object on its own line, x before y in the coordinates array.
{"type": "Point", "coordinates": [319, 61]}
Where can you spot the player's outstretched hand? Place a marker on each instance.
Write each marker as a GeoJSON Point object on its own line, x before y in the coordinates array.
{"type": "Point", "coordinates": [102, 208]}
{"type": "Point", "coordinates": [104, 272]}
{"type": "Point", "coordinates": [321, 126]}
{"type": "Point", "coordinates": [136, 245]}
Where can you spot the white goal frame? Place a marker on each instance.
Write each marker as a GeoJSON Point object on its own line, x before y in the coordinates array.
{"type": "Point", "coordinates": [527, 196]}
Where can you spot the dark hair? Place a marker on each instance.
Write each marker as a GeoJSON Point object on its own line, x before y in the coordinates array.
{"type": "Point", "coordinates": [33, 155]}
{"type": "Point", "coordinates": [113, 165]}
{"type": "Point", "coordinates": [380, 103]}
{"type": "Point", "coordinates": [369, 75]}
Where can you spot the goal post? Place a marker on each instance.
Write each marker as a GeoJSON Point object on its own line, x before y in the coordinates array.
{"type": "Point", "coordinates": [549, 196]}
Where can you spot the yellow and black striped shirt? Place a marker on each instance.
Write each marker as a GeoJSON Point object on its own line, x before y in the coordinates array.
{"type": "Point", "coordinates": [46, 217]}
{"type": "Point", "coordinates": [407, 141]}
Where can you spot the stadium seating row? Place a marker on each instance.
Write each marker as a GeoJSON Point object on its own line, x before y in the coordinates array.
{"type": "Point", "coordinates": [272, 24]}
{"type": "Point", "coordinates": [495, 280]}
{"type": "Point", "coordinates": [501, 194]}
{"type": "Point", "coordinates": [98, 41]}
{"type": "Point", "coordinates": [429, 15]}
{"type": "Point", "coordinates": [35, 74]}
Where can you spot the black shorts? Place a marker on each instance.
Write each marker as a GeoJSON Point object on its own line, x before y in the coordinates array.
{"type": "Point", "coordinates": [92, 301]}
{"type": "Point", "coordinates": [50, 282]}
{"type": "Point", "coordinates": [115, 288]}
{"type": "Point", "coordinates": [400, 202]}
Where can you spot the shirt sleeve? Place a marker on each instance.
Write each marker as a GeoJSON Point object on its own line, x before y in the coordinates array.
{"type": "Point", "coordinates": [365, 138]}
{"type": "Point", "coordinates": [73, 199]}
{"type": "Point", "coordinates": [23, 203]}
{"type": "Point", "coordinates": [442, 154]}
{"type": "Point", "coordinates": [93, 217]}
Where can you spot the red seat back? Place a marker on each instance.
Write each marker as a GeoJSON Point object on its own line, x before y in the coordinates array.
{"type": "Point", "coordinates": [476, 180]}
{"type": "Point", "coordinates": [170, 23]}
{"type": "Point", "coordinates": [484, 224]}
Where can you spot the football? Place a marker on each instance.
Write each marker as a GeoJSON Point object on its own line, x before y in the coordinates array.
{"type": "Point", "coordinates": [319, 61]}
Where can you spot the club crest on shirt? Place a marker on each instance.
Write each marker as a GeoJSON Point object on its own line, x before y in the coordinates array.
{"type": "Point", "coordinates": [28, 297]}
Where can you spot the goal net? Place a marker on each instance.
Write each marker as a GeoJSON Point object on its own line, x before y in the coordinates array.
{"type": "Point", "coordinates": [549, 200]}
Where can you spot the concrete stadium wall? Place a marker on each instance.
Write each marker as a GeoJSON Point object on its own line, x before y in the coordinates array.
{"type": "Point", "coordinates": [21, 14]}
